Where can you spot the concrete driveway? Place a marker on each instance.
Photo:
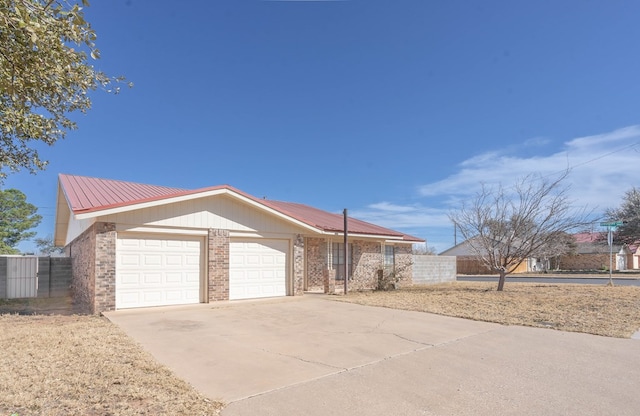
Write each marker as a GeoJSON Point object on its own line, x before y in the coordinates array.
{"type": "Point", "coordinates": [314, 356]}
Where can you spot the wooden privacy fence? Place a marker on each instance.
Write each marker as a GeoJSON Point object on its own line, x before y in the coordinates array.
{"type": "Point", "coordinates": [30, 277]}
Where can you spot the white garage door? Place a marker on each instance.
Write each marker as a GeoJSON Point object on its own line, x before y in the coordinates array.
{"type": "Point", "coordinates": [157, 271]}
{"type": "Point", "coordinates": [257, 268]}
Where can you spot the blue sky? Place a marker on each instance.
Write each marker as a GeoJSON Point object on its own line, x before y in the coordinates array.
{"type": "Point", "coordinates": [396, 110]}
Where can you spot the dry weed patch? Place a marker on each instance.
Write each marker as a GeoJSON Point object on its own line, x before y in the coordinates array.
{"type": "Point", "coordinates": [600, 310]}
{"type": "Point", "coordinates": [85, 365]}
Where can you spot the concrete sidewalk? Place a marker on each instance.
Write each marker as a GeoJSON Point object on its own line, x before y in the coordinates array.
{"type": "Point", "coordinates": [313, 356]}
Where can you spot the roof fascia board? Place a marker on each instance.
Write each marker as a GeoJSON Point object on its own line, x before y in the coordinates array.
{"type": "Point", "coordinates": [397, 239]}
{"type": "Point", "coordinates": [63, 214]}
{"type": "Point", "coordinates": [156, 230]}
{"type": "Point", "coordinates": [401, 242]}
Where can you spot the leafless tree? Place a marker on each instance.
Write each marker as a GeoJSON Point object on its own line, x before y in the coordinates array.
{"type": "Point", "coordinates": [424, 250]}
{"type": "Point", "coordinates": [629, 213]}
{"type": "Point", "coordinates": [506, 226]}
{"type": "Point", "coordinates": [562, 243]}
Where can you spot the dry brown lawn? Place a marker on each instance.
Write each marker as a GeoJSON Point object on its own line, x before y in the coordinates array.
{"type": "Point", "coordinates": [85, 365]}
{"type": "Point", "coordinates": [600, 310]}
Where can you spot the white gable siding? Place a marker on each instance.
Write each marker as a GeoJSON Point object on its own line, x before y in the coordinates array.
{"type": "Point", "coordinates": [220, 212]}
{"type": "Point", "coordinates": [77, 227]}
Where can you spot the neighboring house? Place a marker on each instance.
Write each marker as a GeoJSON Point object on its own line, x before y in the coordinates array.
{"type": "Point", "coordinates": [136, 245]}
{"type": "Point", "coordinates": [635, 255]}
{"type": "Point", "coordinates": [467, 262]}
{"type": "Point", "coordinates": [593, 253]}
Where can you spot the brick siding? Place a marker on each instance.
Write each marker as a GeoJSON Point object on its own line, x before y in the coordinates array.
{"type": "Point", "coordinates": [298, 265]}
{"type": "Point", "coordinates": [404, 263]}
{"type": "Point", "coordinates": [367, 260]}
{"type": "Point", "coordinates": [218, 266]}
{"type": "Point", "coordinates": [105, 267]}
{"type": "Point", "coordinates": [316, 259]}
{"type": "Point", "coordinates": [591, 261]}
{"type": "Point", "coordinates": [93, 264]}
{"type": "Point", "coordinates": [82, 251]}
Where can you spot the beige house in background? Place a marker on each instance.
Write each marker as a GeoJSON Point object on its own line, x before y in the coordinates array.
{"type": "Point", "coordinates": [467, 261]}
{"type": "Point", "coordinates": [592, 253]}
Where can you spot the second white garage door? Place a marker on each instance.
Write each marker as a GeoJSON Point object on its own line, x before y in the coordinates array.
{"type": "Point", "coordinates": [257, 268]}
{"type": "Point", "coordinates": [157, 270]}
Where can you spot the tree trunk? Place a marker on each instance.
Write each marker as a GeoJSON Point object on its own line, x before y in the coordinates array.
{"type": "Point", "coordinates": [503, 276]}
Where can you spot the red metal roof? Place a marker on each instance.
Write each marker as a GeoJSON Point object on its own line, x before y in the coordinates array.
{"type": "Point", "coordinates": [589, 237]}
{"type": "Point", "coordinates": [328, 221]}
{"type": "Point", "coordinates": [89, 194]}
{"type": "Point", "coordinates": [86, 194]}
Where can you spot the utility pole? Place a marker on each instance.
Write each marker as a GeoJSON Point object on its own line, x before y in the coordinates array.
{"type": "Point", "coordinates": [346, 252]}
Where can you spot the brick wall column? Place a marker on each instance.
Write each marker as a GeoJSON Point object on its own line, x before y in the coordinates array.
{"type": "Point", "coordinates": [329, 277]}
{"type": "Point", "coordinates": [105, 267]}
{"type": "Point", "coordinates": [218, 264]}
{"type": "Point", "coordinates": [298, 266]}
{"type": "Point", "coordinates": [82, 251]}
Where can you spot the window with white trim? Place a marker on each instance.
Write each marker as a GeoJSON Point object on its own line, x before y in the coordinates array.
{"type": "Point", "coordinates": [389, 258]}
{"type": "Point", "coordinates": [338, 260]}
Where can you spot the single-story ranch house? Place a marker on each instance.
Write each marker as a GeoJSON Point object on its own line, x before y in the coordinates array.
{"type": "Point", "coordinates": [135, 245]}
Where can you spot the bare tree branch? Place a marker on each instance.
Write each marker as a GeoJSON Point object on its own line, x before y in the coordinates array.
{"type": "Point", "coordinates": [506, 226]}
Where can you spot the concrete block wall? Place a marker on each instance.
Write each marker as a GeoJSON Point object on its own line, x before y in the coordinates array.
{"type": "Point", "coordinates": [54, 277]}
{"type": "Point", "coordinates": [433, 269]}
{"type": "Point", "coordinates": [60, 276]}
{"type": "Point", "coordinates": [44, 277]}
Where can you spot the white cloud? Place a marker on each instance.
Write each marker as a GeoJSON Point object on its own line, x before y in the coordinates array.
{"type": "Point", "coordinates": [389, 207]}
{"type": "Point", "coordinates": [402, 216]}
{"type": "Point", "coordinates": [602, 166]}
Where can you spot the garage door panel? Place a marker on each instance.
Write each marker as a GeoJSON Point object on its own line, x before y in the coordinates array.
{"type": "Point", "coordinates": [174, 260]}
{"type": "Point", "coordinates": [155, 271]}
{"type": "Point", "coordinates": [173, 278]}
{"type": "Point", "coordinates": [258, 268]}
{"type": "Point", "coordinates": [151, 278]}
{"type": "Point", "coordinates": [151, 244]}
{"type": "Point", "coordinates": [193, 260]}
{"type": "Point", "coordinates": [129, 279]}
{"type": "Point", "coordinates": [130, 259]}
{"type": "Point", "coordinates": [192, 278]}
{"type": "Point", "coordinates": [151, 260]}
